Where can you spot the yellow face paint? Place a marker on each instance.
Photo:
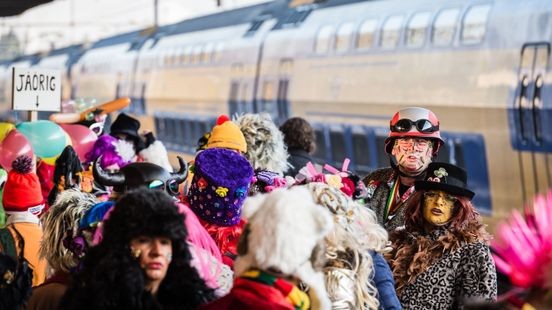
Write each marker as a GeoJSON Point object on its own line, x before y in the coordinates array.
{"type": "Point", "coordinates": [438, 207]}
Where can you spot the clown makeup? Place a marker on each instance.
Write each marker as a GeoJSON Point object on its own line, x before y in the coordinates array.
{"type": "Point", "coordinates": [438, 207]}
{"type": "Point", "coordinates": [413, 155]}
{"type": "Point", "coordinates": [155, 255]}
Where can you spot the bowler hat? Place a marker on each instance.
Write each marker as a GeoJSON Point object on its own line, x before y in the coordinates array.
{"type": "Point", "coordinates": [445, 177]}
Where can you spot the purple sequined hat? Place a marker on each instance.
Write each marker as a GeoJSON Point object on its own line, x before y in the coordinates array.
{"type": "Point", "coordinates": [220, 185]}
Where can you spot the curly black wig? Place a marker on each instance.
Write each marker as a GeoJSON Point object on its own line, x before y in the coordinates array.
{"type": "Point", "coordinates": [112, 279]}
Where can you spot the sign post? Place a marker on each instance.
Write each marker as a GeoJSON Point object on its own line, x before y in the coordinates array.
{"type": "Point", "coordinates": [36, 90]}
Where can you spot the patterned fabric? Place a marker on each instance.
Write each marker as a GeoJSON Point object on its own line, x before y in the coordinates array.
{"type": "Point", "coordinates": [296, 297]}
{"type": "Point", "coordinates": [468, 273]}
{"type": "Point", "coordinates": [379, 184]}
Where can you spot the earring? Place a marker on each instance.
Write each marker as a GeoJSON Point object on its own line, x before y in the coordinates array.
{"type": "Point", "coordinates": [169, 257]}
{"type": "Point", "coordinates": [135, 253]}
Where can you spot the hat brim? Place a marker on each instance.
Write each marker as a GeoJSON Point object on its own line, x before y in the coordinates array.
{"type": "Point", "coordinates": [429, 185]}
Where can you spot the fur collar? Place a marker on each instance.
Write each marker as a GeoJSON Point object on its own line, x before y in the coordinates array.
{"type": "Point", "coordinates": [414, 252]}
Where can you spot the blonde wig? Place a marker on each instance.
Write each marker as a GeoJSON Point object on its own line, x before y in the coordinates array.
{"type": "Point", "coordinates": [61, 222]}
{"type": "Point", "coordinates": [266, 149]}
{"type": "Point", "coordinates": [349, 270]}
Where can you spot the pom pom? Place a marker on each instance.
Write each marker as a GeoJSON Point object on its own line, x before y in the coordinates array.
{"type": "Point", "coordinates": [222, 119]}
{"type": "Point", "coordinates": [22, 164]}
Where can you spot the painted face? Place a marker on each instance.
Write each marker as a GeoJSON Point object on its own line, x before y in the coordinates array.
{"type": "Point", "coordinates": [154, 255]}
{"type": "Point", "coordinates": [413, 155]}
{"type": "Point", "coordinates": [438, 207]}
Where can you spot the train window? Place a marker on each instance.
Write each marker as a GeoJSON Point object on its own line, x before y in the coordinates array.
{"type": "Point", "coordinates": [217, 52]}
{"type": "Point", "coordinates": [344, 37]}
{"type": "Point", "coordinates": [416, 29]}
{"type": "Point", "coordinates": [366, 34]}
{"type": "Point", "coordinates": [360, 152]}
{"type": "Point", "coordinates": [187, 54]}
{"type": "Point", "coordinates": [207, 54]}
{"type": "Point", "coordinates": [196, 54]}
{"type": "Point", "coordinates": [268, 91]}
{"type": "Point", "coordinates": [320, 150]}
{"type": "Point", "coordinates": [390, 32]}
{"type": "Point", "coordinates": [444, 27]}
{"type": "Point", "coordinates": [323, 38]}
{"type": "Point", "coordinates": [383, 159]}
{"type": "Point", "coordinates": [474, 24]}
{"type": "Point", "coordinates": [339, 151]}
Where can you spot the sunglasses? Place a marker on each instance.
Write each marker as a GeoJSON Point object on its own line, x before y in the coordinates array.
{"type": "Point", "coordinates": [171, 186]}
{"type": "Point", "coordinates": [422, 125]}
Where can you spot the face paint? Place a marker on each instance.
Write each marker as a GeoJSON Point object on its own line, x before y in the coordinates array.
{"type": "Point", "coordinates": [438, 207]}
{"type": "Point", "coordinates": [154, 258]}
{"type": "Point", "coordinates": [413, 155]}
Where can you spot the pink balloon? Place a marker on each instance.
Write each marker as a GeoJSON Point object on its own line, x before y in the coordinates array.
{"type": "Point", "coordinates": [82, 138]}
{"type": "Point", "coordinates": [14, 145]}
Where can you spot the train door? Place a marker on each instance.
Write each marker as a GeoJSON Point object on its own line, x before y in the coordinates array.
{"type": "Point", "coordinates": [531, 120]}
{"type": "Point", "coordinates": [240, 98]}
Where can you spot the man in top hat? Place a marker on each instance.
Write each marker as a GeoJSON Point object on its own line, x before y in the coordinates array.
{"type": "Point", "coordinates": [413, 141]}
{"type": "Point", "coordinates": [146, 147]}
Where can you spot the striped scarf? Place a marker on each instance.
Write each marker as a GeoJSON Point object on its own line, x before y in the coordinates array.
{"type": "Point", "coordinates": [299, 299]}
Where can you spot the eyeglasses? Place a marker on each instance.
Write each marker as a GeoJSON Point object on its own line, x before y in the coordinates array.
{"type": "Point", "coordinates": [435, 195]}
{"type": "Point", "coordinates": [171, 186]}
{"type": "Point", "coordinates": [423, 126]}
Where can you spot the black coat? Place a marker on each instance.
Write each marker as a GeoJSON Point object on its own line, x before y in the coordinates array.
{"type": "Point", "coordinates": [298, 159]}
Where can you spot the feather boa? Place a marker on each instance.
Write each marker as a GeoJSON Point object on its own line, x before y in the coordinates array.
{"type": "Point", "coordinates": [414, 252]}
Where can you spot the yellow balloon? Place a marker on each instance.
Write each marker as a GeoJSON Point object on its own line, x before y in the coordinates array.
{"type": "Point", "coordinates": [5, 128]}
{"type": "Point", "coordinates": [50, 160]}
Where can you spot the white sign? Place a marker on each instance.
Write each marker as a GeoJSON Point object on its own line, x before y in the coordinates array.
{"type": "Point", "coordinates": [36, 89]}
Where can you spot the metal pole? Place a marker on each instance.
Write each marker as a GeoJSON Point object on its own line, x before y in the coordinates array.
{"type": "Point", "coordinates": [155, 13]}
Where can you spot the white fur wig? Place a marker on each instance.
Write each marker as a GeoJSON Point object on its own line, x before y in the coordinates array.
{"type": "Point", "coordinates": [282, 235]}
{"type": "Point", "coordinates": [349, 269]}
{"type": "Point", "coordinates": [60, 222]}
{"type": "Point", "coordinates": [266, 149]}
{"type": "Point", "coordinates": [157, 154]}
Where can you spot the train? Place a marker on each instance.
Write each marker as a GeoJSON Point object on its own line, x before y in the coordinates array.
{"type": "Point", "coordinates": [483, 66]}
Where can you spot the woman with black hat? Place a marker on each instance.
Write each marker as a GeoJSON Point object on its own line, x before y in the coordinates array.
{"type": "Point", "coordinates": [143, 261]}
{"type": "Point", "coordinates": [441, 258]}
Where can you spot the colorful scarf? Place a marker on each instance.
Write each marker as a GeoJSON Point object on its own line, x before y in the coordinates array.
{"type": "Point", "coordinates": [299, 299]}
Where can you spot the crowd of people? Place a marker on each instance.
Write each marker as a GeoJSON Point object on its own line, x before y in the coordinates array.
{"type": "Point", "coordinates": [253, 222]}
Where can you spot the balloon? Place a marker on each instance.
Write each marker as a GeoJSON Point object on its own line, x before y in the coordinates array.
{"type": "Point", "coordinates": [46, 137]}
{"type": "Point", "coordinates": [13, 145]}
{"type": "Point", "coordinates": [52, 160]}
{"type": "Point", "coordinates": [82, 137]}
{"type": "Point", "coordinates": [5, 128]}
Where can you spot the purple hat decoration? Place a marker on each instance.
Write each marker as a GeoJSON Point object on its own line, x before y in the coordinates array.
{"type": "Point", "coordinates": [220, 185]}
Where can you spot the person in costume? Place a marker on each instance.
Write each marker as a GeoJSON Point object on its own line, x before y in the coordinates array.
{"type": "Point", "coordinates": [352, 249]}
{"type": "Point", "coordinates": [143, 261]}
{"type": "Point", "coordinates": [23, 202]}
{"type": "Point", "coordinates": [266, 149]}
{"type": "Point", "coordinates": [146, 147]}
{"type": "Point", "coordinates": [280, 248]}
{"type": "Point", "coordinates": [219, 187]}
{"type": "Point", "coordinates": [413, 141]}
{"type": "Point", "coordinates": [67, 173]}
{"type": "Point", "coordinates": [441, 259]}
{"type": "Point", "coordinates": [61, 246]}
{"type": "Point", "coordinates": [141, 175]}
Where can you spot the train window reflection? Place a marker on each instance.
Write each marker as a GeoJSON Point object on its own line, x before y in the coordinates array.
{"type": "Point", "coordinates": [320, 151]}
{"type": "Point", "coordinates": [366, 34]}
{"type": "Point", "coordinates": [323, 38]}
{"type": "Point", "coordinates": [444, 27]}
{"type": "Point", "coordinates": [416, 29]}
{"type": "Point", "coordinates": [339, 151]}
{"type": "Point", "coordinates": [474, 24]}
{"type": "Point", "coordinates": [361, 153]}
{"type": "Point", "coordinates": [390, 32]}
{"type": "Point", "coordinates": [217, 52]}
{"type": "Point", "coordinates": [343, 37]}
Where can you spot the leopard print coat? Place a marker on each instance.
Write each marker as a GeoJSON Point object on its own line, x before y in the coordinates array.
{"type": "Point", "coordinates": [465, 273]}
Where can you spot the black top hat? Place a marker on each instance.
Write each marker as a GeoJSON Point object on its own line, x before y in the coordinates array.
{"type": "Point", "coordinates": [125, 124]}
{"type": "Point", "coordinates": [445, 177]}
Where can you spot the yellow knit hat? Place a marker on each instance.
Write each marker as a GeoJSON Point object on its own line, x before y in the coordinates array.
{"type": "Point", "coordinates": [227, 135]}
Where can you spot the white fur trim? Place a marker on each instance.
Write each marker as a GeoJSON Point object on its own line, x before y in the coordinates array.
{"type": "Point", "coordinates": [156, 153]}
{"type": "Point", "coordinates": [125, 149]}
{"type": "Point", "coordinates": [284, 230]}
